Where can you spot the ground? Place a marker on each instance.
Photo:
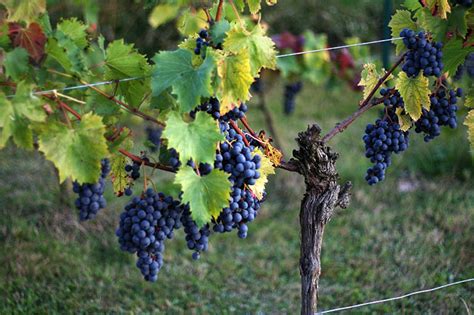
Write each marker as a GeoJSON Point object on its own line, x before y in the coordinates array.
{"type": "Point", "coordinates": [415, 230]}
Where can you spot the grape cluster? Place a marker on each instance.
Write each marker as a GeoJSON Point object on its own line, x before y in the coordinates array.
{"type": "Point", "coordinates": [91, 196]}
{"type": "Point", "coordinates": [197, 239]}
{"type": "Point", "coordinates": [133, 170]}
{"type": "Point", "coordinates": [392, 98]}
{"type": "Point", "coordinates": [464, 3]}
{"type": "Point", "coordinates": [237, 160]}
{"type": "Point", "coordinates": [442, 113]}
{"type": "Point", "coordinates": [145, 224]}
{"type": "Point", "coordinates": [154, 136]}
{"type": "Point", "coordinates": [421, 55]}
{"type": "Point", "coordinates": [381, 140]}
{"type": "Point", "coordinates": [469, 64]}
{"type": "Point", "coordinates": [243, 208]}
{"type": "Point", "coordinates": [213, 107]}
{"type": "Point", "coordinates": [291, 90]}
{"type": "Point", "coordinates": [201, 41]}
{"type": "Point", "coordinates": [257, 86]}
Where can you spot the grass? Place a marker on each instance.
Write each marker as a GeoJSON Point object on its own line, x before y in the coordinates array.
{"type": "Point", "coordinates": [413, 231]}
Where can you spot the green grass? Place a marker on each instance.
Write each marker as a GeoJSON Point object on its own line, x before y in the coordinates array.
{"type": "Point", "coordinates": [413, 231]}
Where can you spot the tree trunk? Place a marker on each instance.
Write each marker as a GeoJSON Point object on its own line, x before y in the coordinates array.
{"type": "Point", "coordinates": [316, 162]}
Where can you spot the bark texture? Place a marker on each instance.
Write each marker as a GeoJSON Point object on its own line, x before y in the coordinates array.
{"type": "Point", "coordinates": [316, 162]}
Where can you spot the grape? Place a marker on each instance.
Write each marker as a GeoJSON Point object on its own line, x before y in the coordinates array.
{"type": "Point", "coordinates": [154, 136]}
{"type": "Point", "coordinates": [201, 41]}
{"type": "Point", "coordinates": [381, 140]}
{"type": "Point", "coordinates": [464, 3]}
{"type": "Point", "coordinates": [442, 113]}
{"type": "Point", "coordinates": [392, 98]}
{"type": "Point", "coordinates": [257, 85]}
{"type": "Point", "coordinates": [212, 107]}
{"type": "Point", "coordinates": [291, 90]}
{"type": "Point", "coordinates": [91, 196]}
{"type": "Point", "coordinates": [197, 239]}
{"type": "Point", "coordinates": [145, 224]}
{"type": "Point", "coordinates": [421, 55]}
{"type": "Point", "coordinates": [133, 169]}
{"type": "Point", "coordinates": [469, 64]}
{"type": "Point", "coordinates": [236, 159]}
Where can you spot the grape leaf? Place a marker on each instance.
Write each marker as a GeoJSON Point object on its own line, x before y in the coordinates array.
{"type": "Point", "coordinates": [123, 61]}
{"type": "Point", "coordinates": [436, 26]}
{"type": "Point", "coordinates": [218, 31]}
{"type": "Point", "coordinates": [196, 140]}
{"type": "Point", "coordinates": [16, 63]}
{"type": "Point", "coordinates": [454, 55]}
{"type": "Point", "coordinates": [412, 5]}
{"type": "Point", "coordinates": [175, 69]}
{"type": "Point", "coordinates": [206, 195]}
{"type": "Point", "coordinates": [190, 22]}
{"type": "Point", "coordinates": [32, 39]}
{"type": "Point", "coordinates": [265, 170]}
{"type": "Point", "coordinates": [404, 120]}
{"type": "Point", "coordinates": [317, 65]}
{"type": "Point", "coordinates": [75, 152]}
{"type": "Point", "coordinates": [24, 10]}
{"type": "Point", "coordinates": [415, 93]}
{"type": "Point", "coordinates": [370, 77]}
{"type": "Point", "coordinates": [440, 8]}
{"type": "Point", "coordinates": [120, 178]}
{"type": "Point", "coordinates": [400, 20]}
{"type": "Point", "coordinates": [66, 53]}
{"type": "Point", "coordinates": [469, 101]}
{"type": "Point", "coordinates": [27, 104]}
{"type": "Point", "coordinates": [254, 6]}
{"type": "Point", "coordinates": [457, 22]}
{"type": "Point", "coordinates": [260, 47]}
{"type": "Point", "coordinates": [236, 80]}
{"type": "Point", "coordinates": [289, 66]}
{"type": "Point", "coordinates": [163, 13]}
{"type": "Point", "coordinates": [469, 122]}
{"type": "Point", "coordinates": [4, 39]}
{"type": "Point", "coordinates": [75, 30]}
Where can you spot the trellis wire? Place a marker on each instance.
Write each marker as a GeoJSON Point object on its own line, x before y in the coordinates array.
{"type": "Point", "coordinates": [345, 308]}
{"type": "Point", "coordinates": [85, 86]}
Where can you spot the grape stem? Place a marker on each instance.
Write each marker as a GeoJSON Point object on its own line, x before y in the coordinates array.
{"type": "Point", "coordinates": [220, 6]}
{"type": "Point", "coordinates": [137, 159]}
{"type": "Point", "coordinates": [233, 124]}
{"type": "Point", "coordinates": [364, 106]}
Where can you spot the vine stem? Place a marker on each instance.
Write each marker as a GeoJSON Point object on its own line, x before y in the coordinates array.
{"type": "Point", "coordinates": [364, 106]}
{"type": "Point", "coordinates": [137, 159]}
{"type": "Point", "coordinates": [220, 6]}
{"type": "Point", "coordinates": [234, 125]}
{"type": "Point", "coordinates": [132, 110]}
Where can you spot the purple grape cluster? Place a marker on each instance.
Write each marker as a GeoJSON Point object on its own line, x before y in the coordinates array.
{"type": "Point", "coordinates": [201, 41]}
{"type": "Point", "coordinates": [291, 91]}
{"type": "Point", "coordinates": [392, 98]}
{"type": "Point", "coordinates": [197, 239]}
{"type": "Point", "coordinates": [91, 196]}
{"type": "Point", "coordinates": [145, 224]}
{"type": "Point", "coordinates": [421, 55]}
{"type": "Point", "coordinates": [154, 137]}
{"type": "Point", "coordinates": [442, 113]}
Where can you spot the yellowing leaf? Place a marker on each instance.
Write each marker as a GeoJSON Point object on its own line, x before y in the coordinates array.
{"type": "Point", "coordinates": [370, 77]}
{"type": "Point", "coordinates": [206, 195]}
{"type": "Point", "coordinates": [400, 20]}
{"type": "Point", "coordinates": [75, 152]}
{"type": "Point", "coordinates": [196, 140]}
{"type": "Point", "coordinates": [469, 122]}
{"type": "Point", "coordinates": [271, 152]}
{"type": "Point", "coordinates": [266, 169]}
{"type": "Point", "coordinates": [260, 47]}
{"type": "Point", "coordinates": [190, 22]}
{"type": "Point", "coordinates": [254, 6]}
{"type": "Point", "coordinates": [440, 8]}
{"type": "Point", "coordinates": [162, 14]}
{"type": "Point", "coordinates": [236, 80]}
{"type": "Point", "coordinates": [404, 120]}
{"type": "Point", "coordinates": [120, 178]}
{"type": "Point", "coordinates": [415, 93]}
{"type": "Point", "coordinates": [24, 10]}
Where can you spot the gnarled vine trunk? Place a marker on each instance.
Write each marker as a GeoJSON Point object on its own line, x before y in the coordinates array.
{"type": "Point", "coordinates": [316, 162]}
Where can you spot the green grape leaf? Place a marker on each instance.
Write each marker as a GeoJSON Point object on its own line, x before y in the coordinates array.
{"type": "Point", "coordinates": [469, 122]}
{"type": "Point", "coordinates": [190, 22]}
{"type": "Point", "coordinates": [24, 10]}
{"type": "Point", "coordinates": [457, 22]}
{"type": "Point", "coordinates": [404, 120]}
{"type": "Point", "coordinates": [436, 26]}
{"type": "Point", "coordinates": [261, 48]}
{"type": "Point", "coordinates": [400, 20]}
{"type": "Point", "coordinates": [16, 63]}
{"type": "Point", "coordinates": [454, 55]}
{"type": "Point", "coordinates": [412, 5]}
{"type": "Point", "coordinates": [175, 69]}
{"type": "Point", "coordinates": [196, 140]}
{"type": "Point", "coordinates": [7, 120]}
{"type": "Point", "coordinates": [75, 30]}
{"type": "Point", "coordinates": [254, 6]}
{"type": "Point", "coordinates": [120, 178]}
{"type": "Point", "coordinates": [218, 31]}
{"type": "Point", "coordinates": [75, 152]}
{"type": "Point", "coordinates": [469, 101]}
{"type": "Point", "coordinates": [28, 105]}
{"type": "Point", "coordinates": [370, 77]}
{"type": "Point", "coordinates": [4, 39]}
{"type": "Point", "coordinates": [265, 170]}
{"type": "Point", "coordinates": [206, 195]}
{"type": "Point", "coordinates": [163, 13]}
{"type": "Point", "coordinates": [236, 80]}
{"type": "Point", "coordinates": [415, 93]}
{"type": "Point", "coordinates": [440, 8]}
{"type": "Point", "coordinates": [123, 61]}
{"type": "Point", "coordinates": [289, 66]}
{"type": "Point", "coordinates": [317, 66]}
